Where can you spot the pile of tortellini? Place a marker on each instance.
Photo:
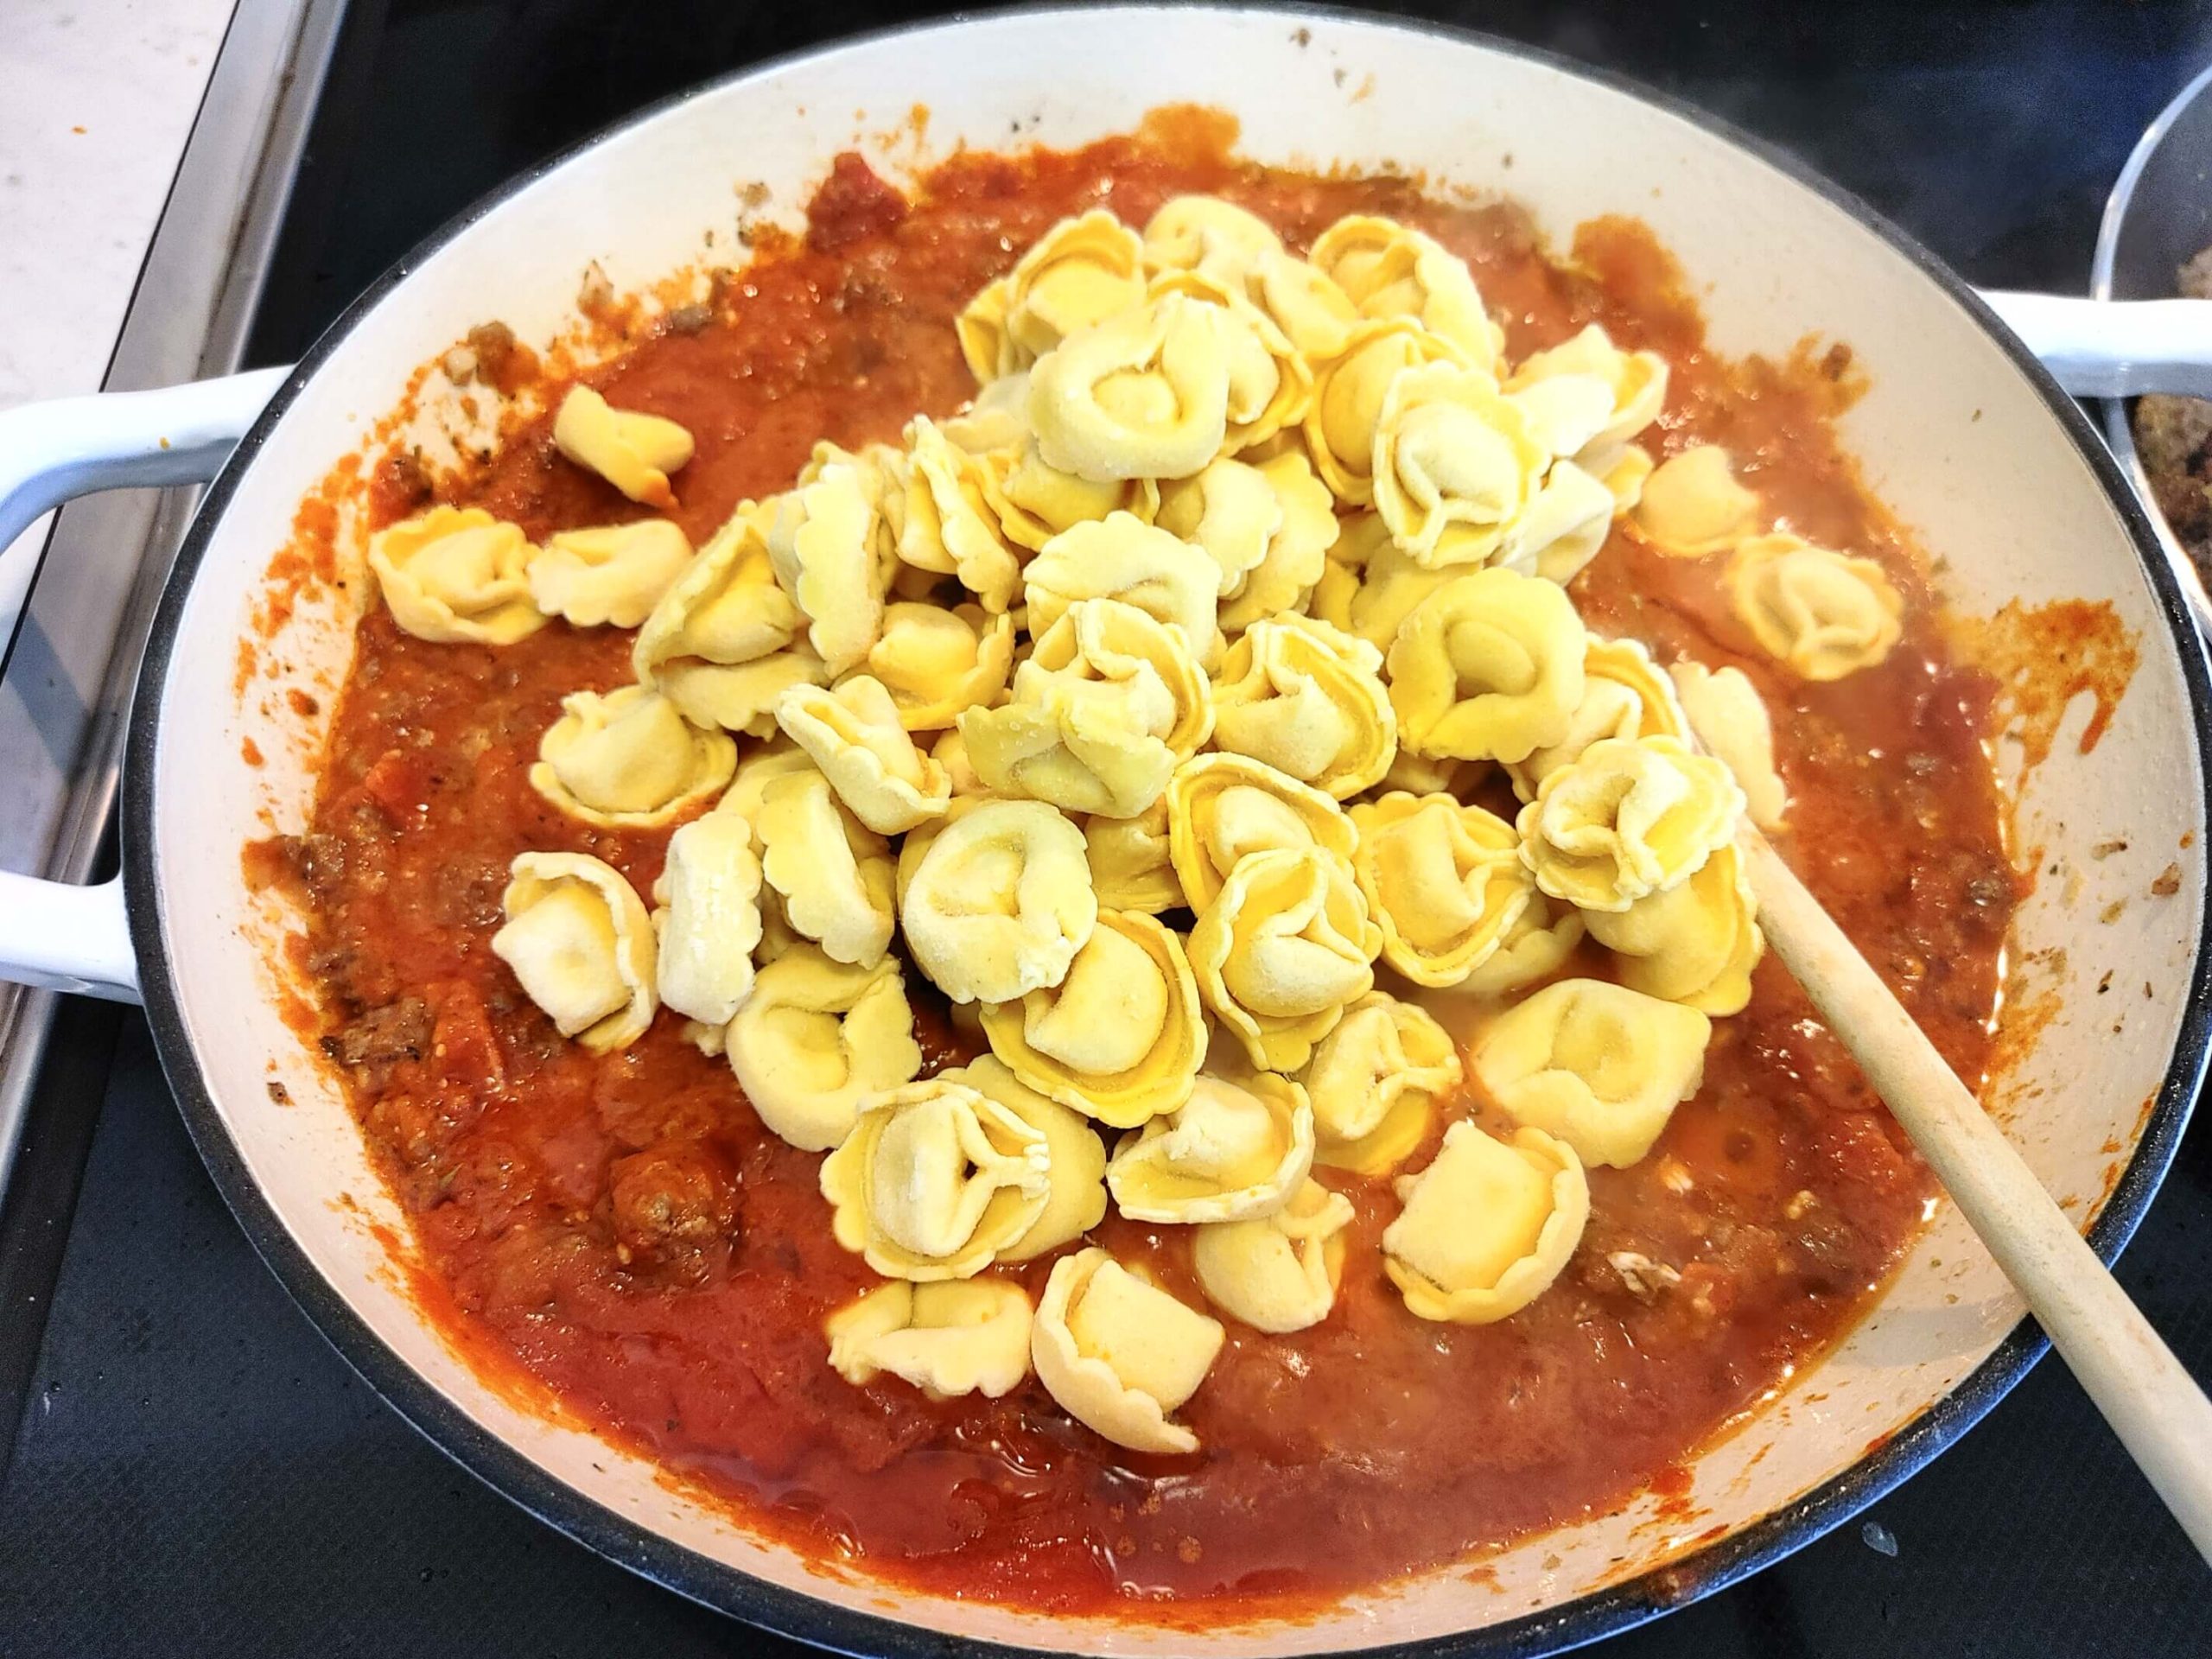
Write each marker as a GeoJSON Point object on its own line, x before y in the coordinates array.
{"type": "Point", "coordinates": [1143, 700]}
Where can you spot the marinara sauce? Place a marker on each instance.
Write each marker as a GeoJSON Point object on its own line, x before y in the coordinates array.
{"type": "Point", "coordinates": [624, 1228]}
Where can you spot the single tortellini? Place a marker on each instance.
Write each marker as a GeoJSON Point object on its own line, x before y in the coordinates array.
{"type": "Point", "coordinates": [1444, 881]}
{"type": "Point", "coordinates": [947, 1337]}
{"type": "Point", "coordinates": [1000, 902]}
{"type": "Point", "coordinates": [1282, 950]}
{"type": "Point", "coordinates": [708, 919]}
{"type": "Point", "coordinates": [1106, 705]}
{"type": "Point", "coordinates": [1277, 1273]}
{"type": "Point", "coordinates": [457, 575]}
{"type": "Point", "coordinates": [1487, 667]}
{"type": "Point", "coordinates": [579, 941]}
{"type": "Point", "coordinates": [1081, 271]}
{"type": "Point", "coordinates": [1076, 1157]}
{"type": "Point", "coordinates": [1454, 465]}
{"type": "Point", "coordinates": [1374, 1081]}
{"type": "Point", "coordinates": [1222, 807]}
{"type": "Point", "coordinates": [632, 451]}
{"type": "Point", "coordinates": [854, 736]}
{"type": "Point", "coordinates": [1609, 396]}
{"type": "Point", "coordinates": [1270, 384]}
{"type": "Point", "coordinates": [1389, 270]}
{"type": "Point", "coordinates": [1206, 234]}
{"type": "Point", "coordinates": [1297, 552]}
{"type": "Point", "coordinates": [836, 876]}
{"type": "Point", "coordinates": [1487, 1226]}
{"type": "Point", "coordinates": [717, 644]}
{"type": "Point", "coordinates": [1692, 505]}
{"type": "Point", "coordinates": [1599, 1065]}
{"type": "Point", "coordinates": [824, 537]}
{"type": "Point", "coordinates": [1535, 948]}
{"type": "Point", "coordinates": [1821, 613]}
{"type": "Point", "coordinates": [1131, 865]}
{"type": "Point", "coordinates": [1348, 394]}
{"type": "Point", "coordinates": [1230, 1151]}
{"type": "Point", "coordinates": [1309, 700]}
{"type": "Point", "coordinates": [1034, 502]}
{"type": "Point", "coordinates": [934, 1180]}
{"type": "Point", "coordinates": [945, 525]}
{"type": "Point", "coordinates": [628, 759]}
{"type": "Point", "coordinates": [1228, 511]}
{"type": "Point", "coordinates": [815, 1038]}
{"type": "Point", "coordinates": [1563, 527]}
{"type": "Point", "coordinates": [1314, 315]}
{"type": "Point", "coordinates": [613, 574]}
{"type": "Point", "coordinates": [1696, 942]}
{"type": "Point", "coordinates": [1120, 1039]}
{"type": "Point", "coordinates": [1121, 1355]}
{"type": "Point", "coordinates": [1731, 720]}
{"type": "Point", "coordinates": [1142, 394]}
{"type": "Point", "coordinates": [938, 663]}
{"type": "Point", "coordinates": [1374, 600]}
{"type": "Point", "coordinates": [1625, 694]}
{"type": "Point", "coordinates": [1122, 557]}
{"type": "Point", "coordinates": [1630, 816]}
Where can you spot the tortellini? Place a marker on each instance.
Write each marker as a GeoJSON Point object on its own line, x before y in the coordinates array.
{"type": "Point", "coordinates": [1034, 502]}
{"type": "Point", "coordinates": [1389, 270]}
{"type": "Point", "coordinates": [1587, 397]}
{"type": "Point", "coordinates": [1374, 1081]}
{"type": "Point", "coordinates": [947, 1337]}
{"type": "Point", "coordinates": [1444, 881]}
{"type": "Point", "coordinates": [1695, 942]}
{"type": "Point", "coordinates": [629, 760]}
{"type": "Point", "coordinates": [945, 524]}
{"type": "Point", "coordinates": [834, 874]}
{"type": "Point", "coordinates": [632, 451]}
{"type": "Point", "coordinates": [1297, 553]}
{"type": "Point", "coordinates": [1487, 1226]}
{"type": "Point", "coordinates": [823, 538]}
{"type": "Point", "coordinates": [854, 735]}
{"type": "Point", "coordinates": [1142, 394]}
{"type": "Point", "coordinates": [1454, 465]}
{"type": "Point", "coordinates": [1122, 557]}
{"type": "Point", "coordinates": [1220, 807]}
{"type": "Point", "coordinates": [1487, 667]}
{"type": "Point", "coordinates": [1120, 1355]}
{"type": "Point", "coordinates": [1206, 234]}
{"type": "Point", "coordinates": [1230, 512]}
{"type": "Point", "coordinates": [708, 922]}
{"type": "Point", "coordinates": [1599, 1065]}
{"type": "Point", "coordinates": [1075, 1158]}
{"type": "Point", "coordinates": [1000, 902]}
{"type": "Point", "coordinates": [1630, 817]}
{"type": "Point", "coordinates": [1348, 395]}
{"type": "Point", "coordinates": [1535, 947]}
{"type": "Point", "coordinates": [937, 663]}
{"type": "Point", "coordinates": [934, 1180]}
{"type": "Point", "coordinates": [1230, 1151]}
{"type": "Point", "coordinates": [1375, 604]}
{"type": "Point", "coordinates": [717, 642]}
{"type": "Point", "coordinates": [1080, 272]}
{"type": "Point", "coordinates": [1821, 613]}
{"type": "Point", "coordinates": [1625, 694]}
{"type": "Point", "coordinates": [456, 576]}
{"type": "Point", "coordinates": [1270, 384]}
{"type": "Point", "coordinates": [1121, 1036]}
{"type": "Point", "coordinates": [1131, 866]}
{"type": "Point", "coordinates": [581, 943]}
{"type": "Point", "coordinates": [615, 574]}
{"type": "Point", "coordinates": [1730, 718]}
{"type": "Point", "coordinates": [1106, 705]}
{"type": "Point", "coordinates": [1277, 1273]}
{"type": "Point", "coordinates": [816, 1037]}
{"type": "Point", "coordinates": [1308, 700]}
{"type": "Point", "coordinates": [1283, 949]}
{"type": "Point", "coordinates": [1692, 505]}
{"type": "Point", "coordinates": [1565, 525]}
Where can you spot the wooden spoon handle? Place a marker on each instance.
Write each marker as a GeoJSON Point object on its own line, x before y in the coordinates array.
{"type": "Point", "coordinates": [2159, 1412]}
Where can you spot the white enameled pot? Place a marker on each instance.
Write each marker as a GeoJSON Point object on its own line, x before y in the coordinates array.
{"type": "Point", "coordinates": [1961, 433]}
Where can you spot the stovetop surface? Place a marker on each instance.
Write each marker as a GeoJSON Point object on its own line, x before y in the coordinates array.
{"type": "Point", "coordinates": [194, 1472]}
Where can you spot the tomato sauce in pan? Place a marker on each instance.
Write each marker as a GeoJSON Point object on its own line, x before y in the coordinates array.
{"type": "Point", "coordinates": [624, 1228]}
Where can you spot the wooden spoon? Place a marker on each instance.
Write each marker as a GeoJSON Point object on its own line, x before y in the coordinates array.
{"type": "Point", "coordinates": [2160, 1415]}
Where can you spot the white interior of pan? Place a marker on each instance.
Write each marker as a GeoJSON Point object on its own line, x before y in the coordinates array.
{"type": "Point", "coordinates": [1953, 437]}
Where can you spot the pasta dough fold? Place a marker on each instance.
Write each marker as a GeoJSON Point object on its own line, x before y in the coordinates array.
{"type": "Point", "coordinates": [581, 943]}
{"type": "Point", "coordinates": [854, 735]}
{"type": "Point", "coordinates": [815, 1038]}
{"type": "Point", "coordinates": [1308, 700]}
{"type": "Point", "coordinates": [947, 1337]}
{"type": "Point", "coordinates": [1229, 1152]}
{"type": "Point", "coordinates": [1630, 817]}
{"type": "Point", "coordinates": [614, 574]}
{"type": "Point", "coordinates": [632, 451]}
{"type": "Point", "coordinates": [1731, 720]}
{"type": "Point", "coordinates": [1121, 1355]}
{"type": "Point", "coordinates": [1142, 394]}
{"type": "Point", "coordinates": [1692, 505]}
{"type": "Point", "coordinates": [836, 876]}
{"type": "Point", "coordinates": [1444, 881]}
{"type": "Point", "coordinates": [1695, 942]}
{"type": "Point", "coordinates": [1454, 467]}
{"type": "Point", "coordinates": [708, 920]}
{"type": "Point", "coordinates": [1000, 902]}
{"type": "Point", "coordinates": [1283, 949]}
{"type": "Point", "coordinates": [456, 574]}
{"type": "Point", "coordinates": [936, 664]}
{"type": "Point", "coordinates": [1487, 667]}
{"type": "Point", "coordinates": [1487, 1226]}
{"type": "Point", "coordinates": [1374, 1081]}
{"type": "Point", "coordinates": [1220, 807]}
{"type": "Point", "coordinates": [1389, 270]}
{"type": "Point", "coordinates": [629, 760]}
{"type": "Point", "coordinates": [1277, 1273]}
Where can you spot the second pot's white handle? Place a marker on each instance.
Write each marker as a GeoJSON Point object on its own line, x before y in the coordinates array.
{"type": "Point", "coordinates": [2114, 348]}
{"type": "Point", "coordinates": [53, 934]}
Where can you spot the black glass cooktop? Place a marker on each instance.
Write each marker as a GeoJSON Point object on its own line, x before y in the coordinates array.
{"type": "Point", "coordinates": [195, 1472]}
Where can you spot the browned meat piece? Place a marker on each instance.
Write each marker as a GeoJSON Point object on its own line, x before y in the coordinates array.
{"type": "Point", "coordinates": [2172, 432]}
{"type": "Point", "coordinates": [673, 1200]}
{"type": "Point", "coordinates": [383, 1037]}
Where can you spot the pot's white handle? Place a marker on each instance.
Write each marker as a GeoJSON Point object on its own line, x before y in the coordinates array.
{"type": "Point", "coordinates": [53, 934]}
{"type": "Point", "coordinates": [2114, 348]}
